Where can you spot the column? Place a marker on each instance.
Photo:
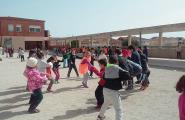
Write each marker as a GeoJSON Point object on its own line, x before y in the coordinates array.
{"type": "Point", "coordinates": [65, 43]}
{"type": "Point", "coordinates": [129, 40]}
{"type": "Point", "coordinates": [161, 38]}
{"type": "Point", "coordinates": [76, 42]}
{"type": "Point", "coordinates": [108, 41]}
{"type": "Point", "coordinates": [140, 39]}
{"type": "Point", "coordinates": [43, 45]}
{"type": "Point", "coordinates": [69, 43]}
{"type": "Point", "coordinates": [79, 41]}
{"type": "Point", "coordinates": [91, 41]}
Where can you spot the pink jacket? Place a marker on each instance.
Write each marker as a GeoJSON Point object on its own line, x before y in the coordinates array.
{"type": "Point", "coordinates": [35, 79]}
{"type": "Point", "coordinates": [182, 106]}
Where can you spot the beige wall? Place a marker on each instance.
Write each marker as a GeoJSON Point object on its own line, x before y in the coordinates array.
{"type": "Point", "coordinates": [20, 41]}
{"type": "Point", "coordinates": [165, 52]}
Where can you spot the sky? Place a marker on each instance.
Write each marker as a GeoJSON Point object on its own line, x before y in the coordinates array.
{"type": "Point", "coordinates": [78, 17]}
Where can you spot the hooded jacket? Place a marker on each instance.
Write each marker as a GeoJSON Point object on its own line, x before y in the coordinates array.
{"type": "Point", "coordinates": [114, 75]}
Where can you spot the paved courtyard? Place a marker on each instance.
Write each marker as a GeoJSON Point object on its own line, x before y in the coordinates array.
{"type": "Point", "coordinates": [69, 101]}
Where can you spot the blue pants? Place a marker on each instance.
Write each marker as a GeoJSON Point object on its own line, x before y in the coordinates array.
{"type": "Point", "coordinates": [65, 63]}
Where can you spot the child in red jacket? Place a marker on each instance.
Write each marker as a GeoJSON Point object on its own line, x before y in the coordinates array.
{"type": "Point", "coordinates": [180, 87]}
{"type": "Point", "coordinates": [99, 89]}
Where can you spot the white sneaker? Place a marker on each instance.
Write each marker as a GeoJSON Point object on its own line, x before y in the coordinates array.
{"type": "Point", "coordinates": [100, 118]}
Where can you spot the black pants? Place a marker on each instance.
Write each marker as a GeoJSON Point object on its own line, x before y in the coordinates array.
{"type": "Point", "coordinates": [131, 83]}
{"type": "Point", "coordinates": [99, 95]}
{"type": "Point", "coordinates": [72, 66]}
{"type": "Point", "coordinates": [22, 58]}
{"type": "Point", "coordinates": [178, 55]}
{"type": "Point", "coordinates": [35, 99]}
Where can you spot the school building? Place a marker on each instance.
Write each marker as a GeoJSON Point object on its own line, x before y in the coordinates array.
{"type": "Point", "coordinates": [25, 33]}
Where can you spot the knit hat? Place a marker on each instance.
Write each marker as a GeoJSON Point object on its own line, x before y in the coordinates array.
{"type": "Point", "coordinates": [32, 62]}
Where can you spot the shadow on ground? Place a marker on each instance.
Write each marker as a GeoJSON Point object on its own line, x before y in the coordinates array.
{"type": "Point", "coordinates": [67, 89]}
{"type": "Point", "coordinates": [9, 114]}
{"type": "Point", "coordinates": [11, 101]}
{"type": "Point", "coordinates": [124, 95]}
{"type": "Point", "coordinates": [74, 113]}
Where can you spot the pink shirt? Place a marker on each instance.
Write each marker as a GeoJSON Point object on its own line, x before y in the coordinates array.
{"type": "Point", "coordinates": [182, 106]}
{"type": "Point", "coordinates": [35, 79]}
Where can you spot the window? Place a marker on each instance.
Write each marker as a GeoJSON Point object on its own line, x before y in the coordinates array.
{"type": "Point", "coordinates": [10, 28]}
{"type": "Point", "coordinates": [18, 28]}
{"type": "Point", "coordinates": [34, 28]}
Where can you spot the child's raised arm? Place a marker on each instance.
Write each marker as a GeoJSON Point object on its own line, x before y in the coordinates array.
{"type": "Point", "coordinates": [95, 70]}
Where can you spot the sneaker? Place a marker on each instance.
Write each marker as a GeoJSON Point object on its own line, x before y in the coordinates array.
{"type": "Point", "coordinates": [138, 82]}
{"type": "Point", "coordinates": [85, 85]}
{"type": "Point", "coordinates": [143, 87]}
{"type": "Point", "coordinates": [33, 111]}
{"type": "Point", "coordinates": [129, 88]}
{"type": "Point", "coordinates": [56, 82]}
{"type": "Point", "coordinates": [98, 107]}
{"type": "Point", "coordinates": [48, 91]}
{"type": "Point", "coordinates": [100, 118]}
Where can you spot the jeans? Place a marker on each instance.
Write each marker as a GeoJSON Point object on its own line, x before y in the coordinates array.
{"type": "Point", "coordinates": [65, 63]}
{"type": "Point", "coordinates": [112, 97]}
{"type": "Point", "coordinates": [35, 99]}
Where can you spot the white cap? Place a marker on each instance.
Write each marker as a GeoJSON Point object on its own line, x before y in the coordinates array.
{"type": "Point", "coordinates": [32, 62]}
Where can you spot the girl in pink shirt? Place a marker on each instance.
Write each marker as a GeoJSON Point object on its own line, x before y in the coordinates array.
{"type": "Point", "coordinates": [180, 87]}
{"type": "Point", "coordinates": [36, 80]}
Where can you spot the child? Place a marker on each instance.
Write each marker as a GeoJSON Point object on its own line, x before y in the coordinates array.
{"type": "Point", "coordinates": [99, 89]}
{"type": "Point", "coordinates": [35, 82]}
{"type": "Point", "coordinates": [145, 71]}
{"type": "Point", "coordinates": [180, 87]}
{"type": "Point", "coordinates": [72, 64]}
{"type": "Point", "coordinates": [49, 67]}
{"type": "Point", "coordinates": [113, 76]}
{"type": "Point", "coordinates": [133, 68]}
{"type": "Point", "coordinates": [56, 66]}
{"type": "Point", "coordinates": [85, 60]}
{"type": "Point", "coordinates": [92, 62]}
{"type": "Point", "coordinates": [21, 52]}
{"type": "Point", "coordinates": [102, 55]}
{"type": "Point", "coordinates": [65, 56]}
{"type": "Point", "coordinates": [41, 66]}
{"type": "Point", "coordinates": [32, 53]}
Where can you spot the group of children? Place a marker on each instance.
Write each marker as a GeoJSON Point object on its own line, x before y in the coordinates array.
{"type": "Point", "coordinates": [116, 70]}
{"type": "Point", "coordinates": [110, 69]}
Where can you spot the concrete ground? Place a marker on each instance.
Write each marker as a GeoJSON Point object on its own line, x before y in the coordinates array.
{"type": "Point", "coordinates": [69, 101]}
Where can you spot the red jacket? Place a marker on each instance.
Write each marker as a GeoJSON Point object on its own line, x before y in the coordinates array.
{"type": "Point", "coordinates": [182, 106]}
{"type": "Point", "coordinates": [99, 74]}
